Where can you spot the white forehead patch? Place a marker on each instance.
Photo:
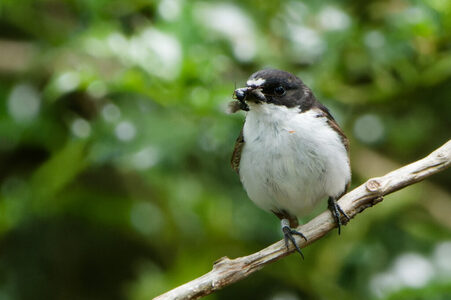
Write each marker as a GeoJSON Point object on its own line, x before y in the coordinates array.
{"type": "Point", "coordinates": [255, 82]}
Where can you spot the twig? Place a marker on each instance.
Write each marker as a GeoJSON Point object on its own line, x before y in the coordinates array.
{"type": "Point", "coordinates": [227, 271]}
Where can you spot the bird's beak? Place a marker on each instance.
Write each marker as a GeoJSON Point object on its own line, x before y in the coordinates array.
{"type": "Point", "coordinates": [250, 93]}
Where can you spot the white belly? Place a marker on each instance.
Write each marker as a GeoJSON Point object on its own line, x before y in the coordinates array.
{"type": "Point", "coordinates": [290, 160]}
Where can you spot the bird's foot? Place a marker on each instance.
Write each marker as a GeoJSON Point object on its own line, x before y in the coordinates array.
{"type": "Point", "coordinates": [288, 236]}
{"type": "Point", "coordinates": [337, 212]}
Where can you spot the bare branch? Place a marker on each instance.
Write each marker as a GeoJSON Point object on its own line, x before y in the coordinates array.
{"type": "Point", "coordinates": [227, 271]}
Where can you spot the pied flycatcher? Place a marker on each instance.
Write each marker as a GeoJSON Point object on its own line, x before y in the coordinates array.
{"type": "Point", "coordinates": [290, 154]}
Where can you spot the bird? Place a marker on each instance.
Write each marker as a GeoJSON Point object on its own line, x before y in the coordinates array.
{"type": "Point", "coordinates": [290, 154]}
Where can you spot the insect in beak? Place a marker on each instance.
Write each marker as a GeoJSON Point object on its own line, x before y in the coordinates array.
{"type": "Point", "coordinates": [241, 94]}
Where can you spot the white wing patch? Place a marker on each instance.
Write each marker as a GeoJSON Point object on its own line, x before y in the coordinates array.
{"type": "Point", "coordinates": [255, 82]}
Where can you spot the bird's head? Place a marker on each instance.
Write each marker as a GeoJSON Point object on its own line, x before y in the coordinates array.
{"type": "Point", "coordinates": [275, 87]}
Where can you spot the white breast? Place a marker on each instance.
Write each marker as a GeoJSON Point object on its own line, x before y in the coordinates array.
{"type": "Point", "coordinates": [291, 160]}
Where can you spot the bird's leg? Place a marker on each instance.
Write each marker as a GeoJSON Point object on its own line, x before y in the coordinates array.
{"type": "Point", "coordinates": [288, 235]}
{"type": "Point", "coordinates": [336, 210]}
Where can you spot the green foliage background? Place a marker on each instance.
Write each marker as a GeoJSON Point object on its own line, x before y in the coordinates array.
{"type": "Point", "coordinates": [114, 145]}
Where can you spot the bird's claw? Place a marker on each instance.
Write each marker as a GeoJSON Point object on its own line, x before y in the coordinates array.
{"type": "Point", "coordinates": [337, 212]}
{"type": "Point", "coordinates": [288, 236]}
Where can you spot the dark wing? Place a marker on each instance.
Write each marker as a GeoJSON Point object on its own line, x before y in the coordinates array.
{"type": "Point", "coordinates": [236, 156]}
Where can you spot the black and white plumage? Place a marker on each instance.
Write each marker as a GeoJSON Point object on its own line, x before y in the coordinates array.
{"type": "Point", "coordinates": [291, 154]}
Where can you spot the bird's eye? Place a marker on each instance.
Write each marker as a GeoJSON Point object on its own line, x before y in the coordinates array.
{"type": "Point", "coordinates": [279, 91]}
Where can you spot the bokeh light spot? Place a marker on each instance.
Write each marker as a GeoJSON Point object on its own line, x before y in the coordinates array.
{"type": "Point", "coordinates": [332, 18]}
{"type": "Point", "coordinates": [146, 218]}
{"type": "Point", "coordinates": [97, 89]}
{"type": "Point", "coordinates": [125, 131]}
{"type": "Point", "coordinates": [233, 24]}
{"type": "Point", "coordinates": [442, 257]}
{"type": "Point", "coordinates": [81, 128]}
{"type": "Point", "coordinates": [24, 103]}
{"type": "Point", "coordinates": [68, 82]}
{"type": "Point", "coordinates": [374, 39]}
{"type": "Point", "coordinates": [145, 158]}
{"type": "Point", "coordinates": [170, 9]}
{"type": "Point", "coordinates": [369, 128]}
{"type": "Point", "coordinates": [111, 113]}
{"type": "Point", "coordinates": [413, 270]}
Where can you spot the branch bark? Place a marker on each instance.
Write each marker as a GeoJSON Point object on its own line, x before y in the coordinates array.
{"type": "Point", "coordinates": [227, 271]}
